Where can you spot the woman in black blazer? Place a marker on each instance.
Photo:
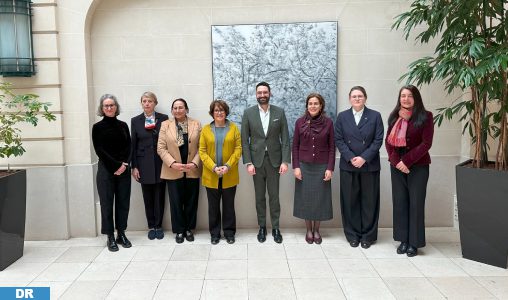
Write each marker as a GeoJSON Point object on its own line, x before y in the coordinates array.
{"type": "Point", "coordinates": [146, 163]}
{"type": "Point", "coordinates": [358, 136]}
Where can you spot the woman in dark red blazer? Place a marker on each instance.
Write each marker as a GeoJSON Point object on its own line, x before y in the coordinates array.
{"type": "Point", "coordinates": [409, 138]}
{"type": "Point", "coordinates": [313, 164]}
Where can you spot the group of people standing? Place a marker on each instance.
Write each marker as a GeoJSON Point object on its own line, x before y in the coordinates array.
{"type": "Point", "coordinates": [176, 152]}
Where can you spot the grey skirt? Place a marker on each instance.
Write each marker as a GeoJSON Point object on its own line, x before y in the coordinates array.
{"type": "Point", "coordinates": [313, 195]}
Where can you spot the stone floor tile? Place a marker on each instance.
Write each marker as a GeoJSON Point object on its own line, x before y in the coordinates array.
{"type": "Point", "coordinates": [310, 269]}
{"type": "Point", "coordinates": [268, 269]}
{"type": "Point", "coordinates": [226, 251]}
{"type": "Point", "coordinates": [133, 289]}
{"type": "Point", "coordinates": [323, 289]}
{"type": "Point", "coordinates": [226, 269]}
{"type": "Point", "coordinates": [180, 269]}
{"type": "Point", "coordinates": [103, 271]}
{"type": "Point", "coordinates": [180, 289]}
{"type": "Point", "coordinates": [353, 268]}
{"type": "Point", "coordinates": [191, 252]}
{"type": "Point", "coordinates": [144, 270]}
{"type": "Point", "coordinates": [412, 288]}
{"type": "Point", "coordinates": [365, 288]}
{"type": "Point", "coordinates": [62, 272]}
{"type": "Point", "coordinates": [80, 254]}
{"type": "Point", "coordinates": [460, 288]}
{"type": "Point", "coordinates": [225, 289]}
{"type": "Point", "coordinates": [395, 267]}
{"type": "Point", "coordinates": [86, 290]}
{"type": "Point", "coordinates": [268, 289]}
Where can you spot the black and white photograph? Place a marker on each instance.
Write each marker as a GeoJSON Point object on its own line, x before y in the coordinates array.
{"type": "Point", "coordinates": [295, 59]}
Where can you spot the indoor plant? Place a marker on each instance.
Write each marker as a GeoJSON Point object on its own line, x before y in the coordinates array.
{"type": "Point", "coordinates": [15, 109]}
{"type": "Point", "coordinates": [471, 58]}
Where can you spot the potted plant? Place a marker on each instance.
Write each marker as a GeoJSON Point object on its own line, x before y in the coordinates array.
{"type": "Point", "coordinates": [15, 109]}
{"type": "Point", "coordinates": [471, 57]}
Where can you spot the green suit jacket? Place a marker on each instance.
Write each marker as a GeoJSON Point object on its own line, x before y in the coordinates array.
{"type": "Point", "coordinates": [254, 141]}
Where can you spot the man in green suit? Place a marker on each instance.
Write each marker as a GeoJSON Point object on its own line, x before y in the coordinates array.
{"type": "Point", "coordinates": [266, 152]}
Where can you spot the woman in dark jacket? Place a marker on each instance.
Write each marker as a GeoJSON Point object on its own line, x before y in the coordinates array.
{"type": "Point", "coordinates": [409, 138]}
{"type": "Point", "coordinates": [112, 143]}
{"type": "Point", "coordinates": [313, 164]}
{"type": "Point", "coordinates": [358, 136]}
{"type": "Point", "coordinates": [146, 163]}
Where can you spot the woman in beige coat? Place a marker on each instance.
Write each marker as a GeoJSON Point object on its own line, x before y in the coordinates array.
{"type": "Point", "coordinates": [178, 148]}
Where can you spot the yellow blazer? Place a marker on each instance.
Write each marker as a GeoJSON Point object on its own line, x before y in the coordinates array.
{"type": "Point", "coordinates": [170, 153]}
{"type": "Point", "coordinates": [231, 152]}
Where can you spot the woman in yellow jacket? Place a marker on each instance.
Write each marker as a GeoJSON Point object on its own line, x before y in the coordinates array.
{"type": "Point", "coordinates": [220, 148]}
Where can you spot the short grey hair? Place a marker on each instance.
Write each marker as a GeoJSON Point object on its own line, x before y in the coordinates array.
{"type": "Point", "coordinates": [100, 112]}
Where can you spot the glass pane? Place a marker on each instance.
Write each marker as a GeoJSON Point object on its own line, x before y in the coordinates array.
{"type": "Point", "coordinates": [23, 36]}
{"type": "Point", "coordinates": [15, 38]}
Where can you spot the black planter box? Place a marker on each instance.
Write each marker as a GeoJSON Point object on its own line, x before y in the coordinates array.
{"type": "Point", "coordinates": [12, 217]}
{"type": "Point", "coordinates": [482, 200]}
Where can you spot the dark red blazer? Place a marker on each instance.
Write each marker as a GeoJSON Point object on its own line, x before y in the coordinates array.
{"type": "Point", "coordinates": [418, 143]}
{"type": "Point", "coordinates": [318, 148]}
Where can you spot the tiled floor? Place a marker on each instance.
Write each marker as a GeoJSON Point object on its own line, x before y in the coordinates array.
{"type": "Point", "coordinates": [83, 268]}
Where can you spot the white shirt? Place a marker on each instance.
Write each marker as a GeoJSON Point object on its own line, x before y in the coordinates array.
{"type": "Point", "coordinates": [357, 115]}
{"type": "Point", "coordinates": [265, 118]}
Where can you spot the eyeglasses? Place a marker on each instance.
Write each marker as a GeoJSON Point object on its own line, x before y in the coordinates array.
{"type": "Point", "coordinates": [219, 111]}
{"type": "Point", "coordinates": [109, 105]}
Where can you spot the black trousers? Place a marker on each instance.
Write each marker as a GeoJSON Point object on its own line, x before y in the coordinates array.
{"type": "Point", "coordinates": [153, 196]}
{"type": "Point", "coordinates": [228, 210]}
{"type": "Point", "coordinates": [183, 202]}
{"type": "Point", "coordinates": [408, 195]}
{"type": "Point", "coordinates": [114, 194]}
{"type": "Point", "coordinates": [359, 203]}
{"type": "Point", "coordinates": [267, 178]}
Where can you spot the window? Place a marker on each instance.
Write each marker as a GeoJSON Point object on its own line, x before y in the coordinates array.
{"type": "Point", "coordinates": [16, 52]}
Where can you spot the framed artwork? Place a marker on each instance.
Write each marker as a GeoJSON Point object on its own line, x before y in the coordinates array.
{"type": "Point", "coordinates": [295, 59]}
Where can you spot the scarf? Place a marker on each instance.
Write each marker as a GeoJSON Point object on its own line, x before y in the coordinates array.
{"type": "Point", "coordinates": [181, 129]}
{"type": "Point", "coordinates": [397, 135]}
{"type": "Point", "coordinates": [312, 125]}
{"type": "Point", "coordinates": [150, 122]}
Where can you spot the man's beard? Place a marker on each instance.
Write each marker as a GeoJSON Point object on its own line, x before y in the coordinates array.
{"type": "Point", "coordinates": [263, 100]}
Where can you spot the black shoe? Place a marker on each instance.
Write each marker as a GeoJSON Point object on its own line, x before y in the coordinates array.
{"type": "Point", "coordinates": [112, 246]}
{"type": "Point", "coordinates": [230, 239]}
{"type": "Point", "coordinates": [189, 236]}
{"type": "Point", "coordinates": [159, 233]}
{"type": "Point", "coordinates": [151, 234]}
{"type": "Point", "coordinates": [402, 248]}
{"type": "Point", "coordinates": [411, 251]}
{"type": "Point", "coordinates": [179, 238]}
{"type": "Point", "coordinates": [262, 234]}
{"type": "Point", "coordinates": [277, 237]}
{"type": "Point", "coordinates": [121, 239]}
{"type": "Point", "coordinates": [365, 244]}
{"type": "Point", "coordinates": [215, 240]}
{"type": "Point", "coordinates": [354, 243]}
